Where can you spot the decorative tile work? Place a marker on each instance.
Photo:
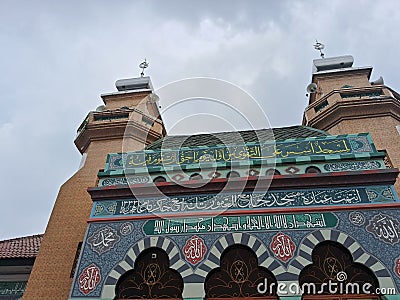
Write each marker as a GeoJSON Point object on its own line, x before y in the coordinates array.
{"type": "Point", "coordinates": [89, 279]}
{"type": "Point", "coordinates": [105, 208]}
{"type": "Point", "coordinates": [253, 172]}
{"type": "Point", "coordinates": [103, 240]}
{"type": "Point", "coordinates": [242, 201]}
{"type": "Point", "coordinates": [126, 228]}
{"type": "Point", "coordinates": [352, 166]}
{"type": "Point", "coordinates": [239, 223]}
{"type": "Point", "coordinates": [245, 152]}
{"type": "Point", "coordinates": [358, 253]}
{"type": "Point", "coordinates": [12, 288]}
{"type": "Point", "coordinates": [178, 177]}
{"type": "Point", "coordinates": [116, 161]}
{"type": "Point", "coordinates": [123, 180]}
{"type": "Point", "coordinates": [380, 257]}
{"type": "Point", "coordinates": [292, 170]}
{"type": "Point", "coordinates": [282, 246]}
{"type": "Point", "coordinates": [194, 250]}
{"type": "Point", "coordinates": [357, 218]}
{"type": "Point", "coordinates": [380, 194]}
{"type": "Point", "coordinates": [384, 228]}
{"type": "Point", "coordinates": [360, 144]}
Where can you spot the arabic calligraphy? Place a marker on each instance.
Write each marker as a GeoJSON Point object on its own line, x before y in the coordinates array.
{"type": "Point", "coordinates": [240, 223]}
{"type": "Point", "coordinates": [352, 166]}
{"type": "Point", "coordinates": [385, 228]}
{"type": "Point", "coordinates": [103, 239]}
{"type": "Point", "coordinates": [89, 279]}
{"type": "Point", "coordinates": [357, 218]}
{"type": "Point", "coordinates": [280, 149]}
{"type": "Point", "coordinates": [12, 288]}
{"type": "Point", "coordinates": [194, 249]}
{"type": "Point", "coordinates": [236, 201]}
{"type": "Point", "coordinates": [282, 246]}
{"type": "Point", "coordinates": [126, 228]}
{"type": "Point", "coordinates": [123, 180]}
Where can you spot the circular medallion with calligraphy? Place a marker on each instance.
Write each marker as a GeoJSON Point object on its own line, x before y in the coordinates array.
{"type": "Point", "coordinates": [194, 249]}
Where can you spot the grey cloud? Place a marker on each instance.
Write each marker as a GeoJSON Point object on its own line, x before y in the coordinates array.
{"type": "Point", "coordinates": [56, 58]}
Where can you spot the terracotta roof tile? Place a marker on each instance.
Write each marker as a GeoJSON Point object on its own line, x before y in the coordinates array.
{"type": "Point", "coordinates": [22, 247]}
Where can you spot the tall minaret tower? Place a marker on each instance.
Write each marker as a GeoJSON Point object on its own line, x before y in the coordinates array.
{"type": "Point", "coordinates": [343, 100]}
{"type": "Point", "coordinates": [128, 121]}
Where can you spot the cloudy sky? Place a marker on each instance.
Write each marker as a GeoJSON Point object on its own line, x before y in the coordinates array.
{"type": "Point", "coordinates": [57, 57]}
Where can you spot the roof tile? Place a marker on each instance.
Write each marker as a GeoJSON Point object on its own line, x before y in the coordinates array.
{"type": "Point", "coordinates": [22, 247]}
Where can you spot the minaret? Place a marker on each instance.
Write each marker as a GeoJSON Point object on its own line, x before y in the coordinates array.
{"type": "Point", "coordinates": [343, 100]}
{"type": "Point", "coordinates": [129, 120]}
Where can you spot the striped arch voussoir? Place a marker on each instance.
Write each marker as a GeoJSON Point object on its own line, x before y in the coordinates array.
{"type": "Point", "coordinates": [128, 262]}
{"type": "Point", "coordinates": [359, 255]}
{"type": "Point", "coordinates": [213, 259]}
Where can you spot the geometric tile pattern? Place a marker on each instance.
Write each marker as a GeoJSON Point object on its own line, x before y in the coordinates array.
{"type": "Point", "coordinates": [383, 263]}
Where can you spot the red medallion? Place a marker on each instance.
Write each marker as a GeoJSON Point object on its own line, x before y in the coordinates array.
{"type": "Point", "coordinates": [282, 246]}
{"type": "Point", "coordinates": [89, 279]}
{"type": "Point", "coordinates": [397, 266]}
{"type": "Point", "coordinates": [194, 249]}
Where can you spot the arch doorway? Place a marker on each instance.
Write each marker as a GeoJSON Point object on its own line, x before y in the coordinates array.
{"type": "Point", "coordinates": [239, 276]}
{"type": "Point", "coordinates": [334, 275]}
{"type": "Point", "coordinates": [151, 278]}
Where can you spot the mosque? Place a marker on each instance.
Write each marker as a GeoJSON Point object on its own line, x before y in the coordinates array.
{"type": "Point", "coordinates": [300, 212]}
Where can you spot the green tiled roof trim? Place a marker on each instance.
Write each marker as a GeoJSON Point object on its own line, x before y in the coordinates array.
{"type": "Point", "coordinates": [328, 148]}
{"type": "Point", "coordinates": [229, 138]}
{"type": "Point", "coordinates": [302, 160]}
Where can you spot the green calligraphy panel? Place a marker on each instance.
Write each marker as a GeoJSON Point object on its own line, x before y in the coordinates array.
{"type": "Point", "coordinates": [240, 223]}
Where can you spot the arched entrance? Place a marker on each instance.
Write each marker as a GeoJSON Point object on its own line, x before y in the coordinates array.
{"type": "Point", "coordinates": [239, 276]}
{"type": "Point", "coordinates": [151, 278]}
{"type": "Point", "coordinates": [334, 275]}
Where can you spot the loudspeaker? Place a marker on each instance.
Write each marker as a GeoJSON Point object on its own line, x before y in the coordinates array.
{"type": "Point", "coordinates": [378, 81]}
{"type": "Point", "coordinates": [312, 87]}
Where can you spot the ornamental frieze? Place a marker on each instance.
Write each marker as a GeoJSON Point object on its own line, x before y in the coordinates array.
{"type": "Point", "coordinates": [240, 223]}
{"type": "Point", "coordinates": [123, 180]}
{"type": "Point", "coordinates": [352, 166]}
{"type": "Point", "coordinates": [257, 151]}
{"type": "Point", "coordinates": [242, 201]}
